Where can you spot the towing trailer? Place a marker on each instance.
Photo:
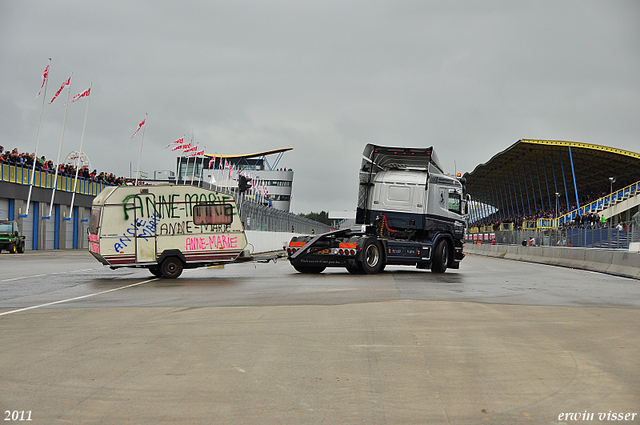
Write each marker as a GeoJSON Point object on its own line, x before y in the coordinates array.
{"type": "Point", "coordinates": [409, 213]}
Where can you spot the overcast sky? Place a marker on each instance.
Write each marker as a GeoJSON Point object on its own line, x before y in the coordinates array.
{"type": "Point", "coordinates": [323, 77]}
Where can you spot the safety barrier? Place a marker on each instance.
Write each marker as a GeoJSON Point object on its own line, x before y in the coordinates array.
{"type": "Point", "coordinates": [620, 263]}
{"type": "Point", "coordinates": [259, 242]}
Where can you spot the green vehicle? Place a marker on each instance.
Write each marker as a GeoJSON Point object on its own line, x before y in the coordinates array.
{"type": "Point", "coordinates": [10, 238]}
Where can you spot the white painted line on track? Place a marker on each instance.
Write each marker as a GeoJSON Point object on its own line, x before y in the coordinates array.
{"type": "Point", "coordinates": [78, 298]}
{"type": "Point", "coordinates": [48, 274]}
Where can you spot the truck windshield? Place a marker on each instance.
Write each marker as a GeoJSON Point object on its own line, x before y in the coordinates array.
{"type": "Point", "coordinates": [6, 228]}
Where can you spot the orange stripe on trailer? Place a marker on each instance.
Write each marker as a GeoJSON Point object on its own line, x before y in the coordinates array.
{"type": "Point", "coordinates": [297, 244]}
{"type": "Point", "coordinates": [350, 245]}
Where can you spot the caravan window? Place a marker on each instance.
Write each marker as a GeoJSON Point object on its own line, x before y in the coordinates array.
{"type": "Point", "coordinates": [94, 221]}
{"type": "Point", "coordinates": [212, 214]}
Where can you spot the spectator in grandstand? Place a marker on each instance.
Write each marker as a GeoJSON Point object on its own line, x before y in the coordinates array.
{"type": "Point", "coordinates": [14, 157]}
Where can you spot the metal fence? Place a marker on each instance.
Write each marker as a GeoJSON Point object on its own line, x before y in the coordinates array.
{"type": "Point", "coordinates": [617, 237]}
{"type": "Point", "coordinates": [256, 216]}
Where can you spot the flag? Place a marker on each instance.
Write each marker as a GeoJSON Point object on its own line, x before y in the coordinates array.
{"type": "Point", "coordinates": [197, 153]}
{"type": "Point", "coordinates": [64, 83]}
{"type": "Point", "coordinates": [45, 75]}
{"type": "Point", "coordinates": [85, 93]}
{"type": "Point", "coordinates": [176, 142]}
{"type": "Point", "coordinates": [212, 161]}
{"type": "Point", "coordinates": [192, 149]}
{"type": "Point", "coordinates": [139, 127]}
{"type": "Point", "coordinates": [183, 146]}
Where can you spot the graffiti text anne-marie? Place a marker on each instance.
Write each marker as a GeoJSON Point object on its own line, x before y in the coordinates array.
{"type": "Point", "coordinates": [170, 206]}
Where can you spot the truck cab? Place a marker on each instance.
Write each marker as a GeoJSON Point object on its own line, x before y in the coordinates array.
{"type": "Point", "coordinates": [412, 213]}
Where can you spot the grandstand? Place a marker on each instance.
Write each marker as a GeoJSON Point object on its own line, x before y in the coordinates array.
{"type": "Point", "coordinates": [557, 180]}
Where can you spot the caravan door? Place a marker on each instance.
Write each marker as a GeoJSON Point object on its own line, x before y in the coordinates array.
{"type": "Point", "coordinates": [145, 228]}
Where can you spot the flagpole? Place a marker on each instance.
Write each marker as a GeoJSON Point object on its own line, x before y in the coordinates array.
{"type": "Point", "coordinates": [202, 165]}
{"type": "Point", "coordinates": [35, 159]}
{"type": "Point", "coordinates": [75, 182]}
{"type": "Point", "coordinates": [186, 170]}
{"type": "Point", "coordinates": [64, 123]}
{"type": "Point", "coordinates": [141, 142]}
{"type": "Point", "coordinates": [180, 162]}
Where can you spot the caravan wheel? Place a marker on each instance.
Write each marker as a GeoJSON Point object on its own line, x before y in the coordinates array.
{"type": "Point", "coordinates": [171, 268]}
{"type": "Point", "coordinates": [155, 270]}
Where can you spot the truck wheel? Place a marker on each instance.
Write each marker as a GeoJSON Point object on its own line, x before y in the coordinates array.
{"type": "Point", "coordinates": [371, 257]}
{"type": "Point", "coordinates": [21, 248]}
{"type": "Point", "coordinates": [309, 269]}
{"type": "Point", "coordinates": [171, 268]}
{"type": "Point", "coordinates": [12, 248]}
{"type": "Point", "coordinates": [440, 257]}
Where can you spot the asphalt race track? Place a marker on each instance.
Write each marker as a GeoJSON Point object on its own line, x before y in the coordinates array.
{"type": "Point", "coordinates": [498, 341]}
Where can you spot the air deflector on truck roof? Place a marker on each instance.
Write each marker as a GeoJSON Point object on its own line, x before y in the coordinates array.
{"type": "Point", "coordinates": [397, 158]}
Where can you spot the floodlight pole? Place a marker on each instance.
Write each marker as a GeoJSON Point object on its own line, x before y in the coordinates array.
{"type": "Point", "coordinates": [612, 180]}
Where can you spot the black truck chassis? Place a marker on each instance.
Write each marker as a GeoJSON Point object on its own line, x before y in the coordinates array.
{"type": "Point", "coordinates": [363, 253]}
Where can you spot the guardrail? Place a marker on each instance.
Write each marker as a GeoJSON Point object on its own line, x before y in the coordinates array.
{"type": "Point", "coordinates": [20, 174]}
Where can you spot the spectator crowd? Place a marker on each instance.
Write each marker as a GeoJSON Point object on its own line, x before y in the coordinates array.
{"type": "Point", "coordinates": [14, 157]}
{"type": "Point", "coordinates": [586, 221]}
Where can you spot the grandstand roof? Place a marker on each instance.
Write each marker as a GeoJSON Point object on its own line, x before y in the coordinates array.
{"type": "Point", "coordinates": [250, 155]}
{"type": "Point", "coordinates": [534, 169]}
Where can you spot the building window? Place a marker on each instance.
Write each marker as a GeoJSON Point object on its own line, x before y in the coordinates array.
{"type": "Point", "coordinates": [279, 197]}
{"type": "Point", "coordinates": [279, 183]}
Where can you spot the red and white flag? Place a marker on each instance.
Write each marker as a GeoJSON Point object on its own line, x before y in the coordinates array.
{"type": "Point", "coordinates": [212, 161]}
{"type": "Point", "coordinates": [183, 146]}
{"type": "Point", "coordinates": [85, 93]}
{"type": "Point", "coordinates": [180, 141]}
{"type": "Point", "coordinates": [193, 149]}
{"type": "Point", "coordinates": [197, 153]}
{"type": "Point", "coordinates": [139, 127]}
{"type": "Point", "coordinates": [65, 83]}
{"type": "Point", "coordinates": [45, 75]}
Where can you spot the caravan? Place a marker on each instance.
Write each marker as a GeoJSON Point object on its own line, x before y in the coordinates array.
{"type": "Point", "coordinates": [165, 228]}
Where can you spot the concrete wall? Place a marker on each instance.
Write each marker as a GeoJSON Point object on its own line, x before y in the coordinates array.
{"type": "Point", "coordinates": [617, 262]}
{"type": "Point", "coordinates": [268, 241]}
